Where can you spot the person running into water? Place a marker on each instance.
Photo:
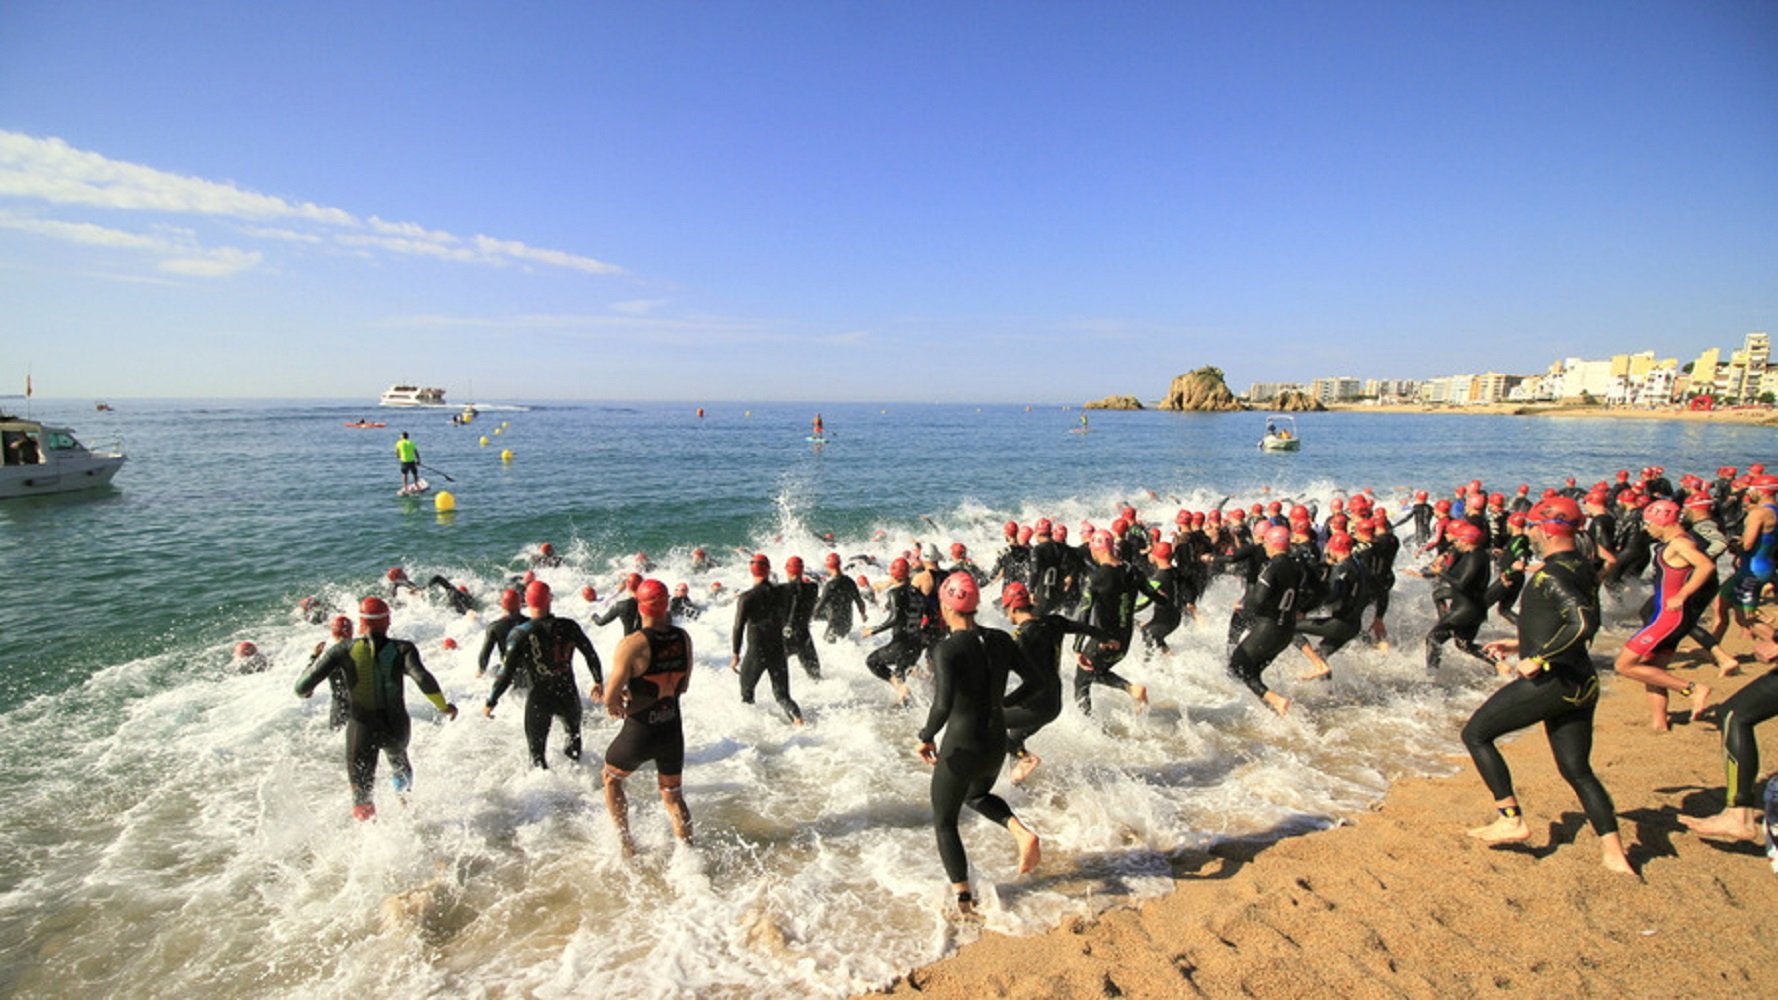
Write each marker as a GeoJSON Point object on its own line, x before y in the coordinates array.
{"type": "Point", "coordinates": [494, 637]}
{"type": "Point", "coordinates": [544, 648]}
{"type": "Point", "coordinates": [649, 674]}
{"type": "Point", "coordinates": [1347, 595]}
{"type": "Point", "coordinates": [1553, 682]}
{"type": "Point", "coordinates": [624, 609]}
{"type": "Point", "coordinates": [1110, 606]}
{"type": "Point", "coordinates": [1267, 613]}
{"type": "Point", "coordinates": [1040, 638]}
{"type": "Point", "coordinates": [408, 454]}
{"type": "Point", "coordinates": [907, 608]}
{"type": "Point", "coordinates": [760, 626]}
{"type": "Point", "coordinates": [1459, 590]}
{"type": "Point", "coordinates": [970, 669]}
{"type": "Point", "coordinates": [835, 602]}
{"type": "Point", "coordinates": [339, 706]}
{"type": "Point", "coordinates": [373, 666]}
{"type": "Point", "coordinates": [801, 596]}
{"type": "Point", "coordinates": [1758, 562]}
{"type": "Point", "coordinates": [1682, 573]}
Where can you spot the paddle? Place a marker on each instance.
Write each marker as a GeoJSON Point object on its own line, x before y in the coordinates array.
{"type": "Point", "coordinates": [446, 475]}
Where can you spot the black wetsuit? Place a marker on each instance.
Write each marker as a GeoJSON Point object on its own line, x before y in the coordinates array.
{"type": "Point", "coordinates": [1341, 615]}
{"type": "Point", "coordinates": [1633, 551]}
{"type": "Point", "coordinates": [1381, 563]}
{"type": "Point", "coordinates": [373, 668]}
{"type": "Point", "coordinates": [1041, 640]}
{"type": "Point", "coordinates": [761, 616]}
{"type": "Point", "coordinates": [1047, 576]}
{"type": "Point", "coordinates": [907, 610]}
{"type": "Point", "coordinates": [1557, 618]}
{"type": "Point", "coordinates": [1503, 592]}
{"type": "Point", "coordinates": [624, 610]}
{"type": "Point", "coordinates": [802, 597]}
{"type": "Point", "coordinates": [681, 609]}
{"type": "Point", "coordinates": [970, 669]}
{"type": "Point", "coordinates": [460, 602]}
{"type": "Point", "coordinates": [1112, 590]}
{"type": "Point", "coordinates": [1422, 518]}
{"type": "Point", "coordinates": [1268, 614]}
{"type": "Point", "coordinates": [544, 648]}
{"type": "Point", "coordinates": [839, 595]}
{"type": "Point", "coordinates": [1460, 590]}
{"type": "Point", "coordinates": [1168, 599]}
{"type": "Point", "coordinates": [339, 705]}
{"type": "Point", "coordinates": [653, 729]}
{"type": "Point", "coordinates": [1744, 710]}
{"type": "Point", "coordinates": [1014, 563]}
{"type": "Point", "coordinates": [494, 638]}
{"type": "Point", "coordinates": [1600, 538]}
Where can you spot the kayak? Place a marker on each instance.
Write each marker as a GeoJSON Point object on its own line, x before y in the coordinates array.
{"type": "Point", "coordinates": [364, 424]}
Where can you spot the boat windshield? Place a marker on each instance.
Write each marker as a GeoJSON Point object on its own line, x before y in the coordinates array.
{"type": "Point", "coordinates": [59, 441]}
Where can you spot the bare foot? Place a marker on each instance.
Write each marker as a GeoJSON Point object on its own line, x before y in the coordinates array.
{"type": "Point", "coordinates": [1024, 767]}
{"type": "Point", "coordinates": [1315, 673]}
{"type": "Point", "coordinates": [1722, 826]}
{"type": "Point", "coordinates": [1700, 699]}
{"type": "Point", "coordinates": [1765, 649]}
{"type": "Point", "coordinates": [1726, 665]}
{"type": "Point", "coordinates": [1139, 694]}
{"type": "Point", "coordinates": [1382, 645]}
{"type": "Point", "coordinates": [1615, 861]}
{"type": "Point", "coordinates": [1277, 702]}
{"type": "Point", "coordinates": [901, 692]}
{"type": "Point", "coordinates": [1504, 830]}
{"type": "Point", "coordinates": [1030, 848]}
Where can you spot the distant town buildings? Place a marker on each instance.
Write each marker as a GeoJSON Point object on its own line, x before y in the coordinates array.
{"type": "Point", "coordinates": [1635, 380]}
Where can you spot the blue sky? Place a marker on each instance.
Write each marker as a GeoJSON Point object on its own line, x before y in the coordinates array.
{"type": "Point", "coordinates": [1012, 202]}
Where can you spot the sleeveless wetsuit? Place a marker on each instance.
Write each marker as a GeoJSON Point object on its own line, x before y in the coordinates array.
{"type": "Point", "coordinates": [653, 730]}
{"type": "Point", "coordinates": [1664, 628]}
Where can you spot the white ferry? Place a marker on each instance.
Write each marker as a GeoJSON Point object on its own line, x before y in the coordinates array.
{"type": "Point", "coordinates": [36, 458]}
{"type": "Point", "coordinates": [412, 395]}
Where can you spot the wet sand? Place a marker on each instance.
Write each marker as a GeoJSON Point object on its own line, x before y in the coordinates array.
{"type": "Point", "coordinates": [1400, 903]}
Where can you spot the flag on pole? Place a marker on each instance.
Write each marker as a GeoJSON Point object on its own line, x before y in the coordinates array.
{"type": "Point", "coordinates": [27, 386]}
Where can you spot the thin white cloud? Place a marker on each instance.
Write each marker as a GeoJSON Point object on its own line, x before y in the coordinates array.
{"type": "Point", "coordinates": [50, 170]}
{"type": "Point", "coordinates": [178, 248]}
{"type": "Point", "coordinates": [219, 263]}
{"type": "Point", "coordinates": [637, 307]}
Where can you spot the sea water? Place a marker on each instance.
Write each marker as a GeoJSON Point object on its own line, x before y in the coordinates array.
{"type": "Point", "coordinates": [173, 827]}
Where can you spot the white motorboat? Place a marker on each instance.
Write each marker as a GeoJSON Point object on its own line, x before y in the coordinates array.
{"type": "Point", "coordinates": [1280, 438]}
{"type": "Point", "coordinates": [40, 459]}
{"type": "Point", "coordinates": [412, 395]}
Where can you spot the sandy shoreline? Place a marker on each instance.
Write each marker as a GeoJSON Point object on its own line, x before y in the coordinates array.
{"type": "Point", "coordinates": [1723, 416]}
{"type": "Point", "coordinates": [1401, 903]}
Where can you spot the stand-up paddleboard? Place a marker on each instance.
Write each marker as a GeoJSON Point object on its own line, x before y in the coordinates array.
{"type": "Point", "coordinates": [414, 489]}
{"type": "Point", "coordinates": [812, 439]}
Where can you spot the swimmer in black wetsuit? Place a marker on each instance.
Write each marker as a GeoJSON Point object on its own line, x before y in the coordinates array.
{"type": "Point", "coordinates": [1166, 593]}
{"type": "Point", "coordinates": [456, 596]}
{"type": "Point", "coordinates": [339, 708]}
{"type": "Point", "coordinates": [373, 667]}
{"type": "Point", "coordinates": [835, 602]}
{"type": "Point", "coordinates": [760, 623]}
{"type": "Point", "coordinates": [680, 608]}
{"type": "Point", "coordinates": [801, 595]}
{"type": "Point", "coordinates": [494, 637]}
{"type": "Point", "coordinates": [907, 608]}
{"type": "Point", "coordinates": [399, 582]}
{"type": "Point", "coordinates": [1510, 561]}
{"type": "Point", "coordinates": [649, 674]}
{"type": "Point", "coordinates": [1553, 682]}
{"type": "Point", "coordinates": [1110, 606]}
{"type": "Point", "coordinates": [1459, 590]}
{"type": "Point", "coordinates": [1342, 612]}
{"type": "Point", "coordinates": [1268, 613]}
{"type": "Point", "coordinates": [545, 557]}
{"type": "Point", "coordinates": [1040, 638]}
{"type": "Point", "coordinates": [970, 668]}
{"type": "Point", "coordinates": [624, 609]}
{"type": "Point", "coordinates": [544, 647]}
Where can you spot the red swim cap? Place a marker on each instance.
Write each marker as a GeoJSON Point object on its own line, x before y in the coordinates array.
{"type": "Point", "coordinates": [793, 567]}
{"type": "Point", "coordinates": [1059, 533]}
{"type": "Point", "coordinates": [1339, 543]}
{"type": "Point", "coordinates": [373, 615]}
{"type": "Point", "coordinates": [1043, 527]}
{"type": "Point", "coordinates": [1661, 514]}
{"type": "Point", "coordinates": [529, 576]}
{"type": "Point", "coordinates": [449, 643]}
{"type": "Point", "coordinates": [509, 600]}
{"type": "Point", "coordinates": [1464, 532]}
{"type": "Point", "coordinates": [1442, 507]}
{"type": "Point", "coordinates": [1101, 541]}
{"type": "Point", "coordinates": [1516, 521]}
{"type": "Point", "coordinates": [547, 549]}
{"type": "Point", "coordinates": [588, 594]}
{"type": "Point", "coordinates": [1010, 528]}
{"type": "Point", "coordinates": [1699, 501]}
{"type": "Point", "coordinates": [1364, 529]}
{"type": "Point", "coordinates": [864, 581]}
{"type": "Point", "coordinates": [682, 590]}
{"type": "Point", "coordinates": [959, 593]}
{"type": "Point", "coordinates": [833, 560]}
{"type": "Point", "coordinates": [1162, 552]}
{"type": "Point", "coordinates": [341, 628]}
{"type": "Point", "coordinates": [760, 566]}
{"type": "Point", "coordinates": [1277, 537]}
{"type": "Point", "coordinates": [1128, 513]}
{"type": "Point", "coordinates": [1024, 536]}
{"type": "Point", "coordinates": [396, 573]}
{"type": "Point", "coordinates": [1119, 526]}
{"type": "Point", "coordinates": [245, 648]}
{"type": "Point", "coordinates": [1336, 504]}
{"type": "Point", "coordinates": [958, 550]}
{"type": "Point", "coordinates": [632, 581]}
{"type": "Point", "coordinates": [898, 570]}
{"type": "Point", "coordinates": [537, 594]}
{"type": "Point", "coordinates": [1420, 495]}
{"type": "Point", "coordinates": [1557, 516]}
{"type": "Point", "coordinates": [651, 598]}
{"type": "Point", "coordinates": [1014, 596]}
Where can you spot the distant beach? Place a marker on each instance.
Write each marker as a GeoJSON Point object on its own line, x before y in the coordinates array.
{"type": "Point", "coordinates": [1753, 415]}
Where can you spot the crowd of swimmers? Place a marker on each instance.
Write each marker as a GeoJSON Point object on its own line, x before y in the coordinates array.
{"type": "Point", "coordinates": [1311, 582]}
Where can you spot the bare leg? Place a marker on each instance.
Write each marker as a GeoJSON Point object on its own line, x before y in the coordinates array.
{"type": "Point", "coordinates": [678, 814]}
{"type": "Point", "coordinates": [1030, 848]}
{"type": "Point", "coordinates": [1277, 702]}
{"type": "Point", "coordinates": [619, 808]}
{"type": "Point", "coordinates": [1318, 667]}
{"type": "Point", "coordinates": [1139, 694]}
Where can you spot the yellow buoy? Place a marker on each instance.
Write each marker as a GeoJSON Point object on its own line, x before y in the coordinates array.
{"type": "Point", "coordinates": [484, 440]}
{"type": "Point", "coordinates": [443, 501]}
{"type": "Point", "coordinates": [499, 430]}
{"type": "Point", "coordinates": [506, 455]}
{"type": "Point", "coordinates": [504, 423]}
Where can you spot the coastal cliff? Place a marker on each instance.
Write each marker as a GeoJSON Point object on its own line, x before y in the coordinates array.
{"type": "Point", "coordinates": [1201, 391]}
{"type": "Point", "coordinates": [1114, 403]}
{"type": "Point", "coordinates": [1296, 401]}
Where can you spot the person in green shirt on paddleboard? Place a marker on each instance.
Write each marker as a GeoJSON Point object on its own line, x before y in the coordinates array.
{"type": "Point", "coordinates": [409, 455]}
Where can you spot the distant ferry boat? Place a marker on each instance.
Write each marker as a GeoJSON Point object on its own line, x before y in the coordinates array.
{"type": "Point", "coordinates": [412, 395]}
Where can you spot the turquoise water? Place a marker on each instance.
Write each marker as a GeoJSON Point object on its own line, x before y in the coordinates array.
{"type": "Point", "coordinates": [177, 825]}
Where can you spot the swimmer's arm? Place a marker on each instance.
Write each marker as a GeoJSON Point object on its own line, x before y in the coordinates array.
{"type": "Point", "coordinates": [1030, 678]}
{"type": "Point", "coordinates": [589, 654]}
{"type": "Point", "coordinates": [625, 663]}
{"type": "Point", "coordinates": [943, 690]}
{"type": "Point", "coordinates": [428, 684]}
{"type": "Point", "coordinates": [489, 642]}
{"type": "Point", "coordinates": [325, 664]}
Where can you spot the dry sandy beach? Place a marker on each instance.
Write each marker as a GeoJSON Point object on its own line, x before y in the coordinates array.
{"type": "Point", "coordinates": [1400, 903]}
{"type": "Point", "coordinates": [1722, 416]}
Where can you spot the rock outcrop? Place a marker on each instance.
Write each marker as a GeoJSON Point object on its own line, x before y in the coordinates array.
{"type": "Point", "coordinates": [1201, 391]}
{"type": "Point", "coordinates": [1114, 403]}
{"type": "Point", "coordinates": [1296, 401]}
